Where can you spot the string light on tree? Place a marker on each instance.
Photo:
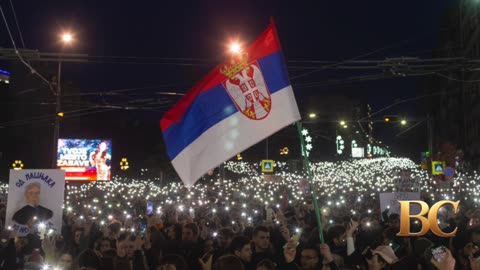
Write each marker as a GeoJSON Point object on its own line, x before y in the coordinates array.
{"type": "Point", "coordinates": [308, 140]}
{"type": "Point", "coordinates": [340, 144]}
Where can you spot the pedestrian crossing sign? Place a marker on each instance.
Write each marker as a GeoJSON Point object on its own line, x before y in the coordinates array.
{"type": "Point", "coordinates": [438, 167]}
{"type": "Point", "coordinates": [267, 165]}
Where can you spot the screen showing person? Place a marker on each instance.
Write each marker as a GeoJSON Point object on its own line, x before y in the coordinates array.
{"type": "Point", "coordinates": [99, 159]}
{"type": "Point", "coordinates": [33, 207]}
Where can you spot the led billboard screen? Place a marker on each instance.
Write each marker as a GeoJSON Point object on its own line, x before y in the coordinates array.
{"type": "Point", "coordinates": [85, 159]}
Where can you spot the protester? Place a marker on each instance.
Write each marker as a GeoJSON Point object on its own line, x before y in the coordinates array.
{"type": "Point", "coordinates": [235, 225]}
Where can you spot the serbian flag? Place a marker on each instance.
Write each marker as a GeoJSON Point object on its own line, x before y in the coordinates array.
{"type": "Point", "coordinates": [239, 103]}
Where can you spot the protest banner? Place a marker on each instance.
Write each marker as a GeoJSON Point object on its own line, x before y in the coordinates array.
{"type": "Point", "coordinates": [390, 200]}
{"type": "Point", "coordinates": [35, 199]}
{"type": "Point", "coordinates": [406, 183]}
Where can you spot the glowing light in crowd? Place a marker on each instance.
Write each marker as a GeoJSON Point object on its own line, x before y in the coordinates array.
{"type": "Point", "coordinates": [352, 184]}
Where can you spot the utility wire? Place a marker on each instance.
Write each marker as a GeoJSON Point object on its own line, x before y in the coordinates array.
{"type": "Point", "coordinates": [41, 117]}
{"type": "Point", "coordinates": [53, 117]}
{"type": "Point", "coordinates": [18, 26]}
{"type": "Point", "coordinates": [115, 91]}
{"type": "Point", "coordinates": [18, 54]}
{"type": "Point", "coordinates": [351, 59]}
{"type": "Point", "coordinates": [363, 55]}
{"type": "Point", "coordinates": [457, 80]}
{"type": "Point", "coordinates": [410, 128]}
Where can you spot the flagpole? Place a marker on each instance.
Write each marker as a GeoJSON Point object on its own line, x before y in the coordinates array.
{"type": "Point", "coordinates": [310, 181]}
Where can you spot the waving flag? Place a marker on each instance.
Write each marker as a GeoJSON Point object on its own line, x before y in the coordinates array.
{"type": "Point", "coordinates": [239, 103]}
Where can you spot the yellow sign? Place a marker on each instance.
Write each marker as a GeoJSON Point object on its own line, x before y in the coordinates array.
{"type": "Point", "coordinates": [438, 167]}
{"type": "Point", "coordinates": [267, 165]}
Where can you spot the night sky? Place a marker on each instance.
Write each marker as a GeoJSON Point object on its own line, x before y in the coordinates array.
{"type": "Point", "coordinates": [172, 44]}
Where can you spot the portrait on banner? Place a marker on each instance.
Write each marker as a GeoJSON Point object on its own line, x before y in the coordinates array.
{"type": "Point", "coordinates": [35, 197]}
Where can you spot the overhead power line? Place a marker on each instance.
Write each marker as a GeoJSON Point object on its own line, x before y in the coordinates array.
{"type": "Point", "coordinates": [18, 26]}
{"type": "Point", "coordinates": [457, 80]}
{"type": "Point", "coordinates": [18, 54]}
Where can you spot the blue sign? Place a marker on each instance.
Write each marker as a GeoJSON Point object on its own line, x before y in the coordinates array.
{"type": "Point", "coordinates": [449, 172]}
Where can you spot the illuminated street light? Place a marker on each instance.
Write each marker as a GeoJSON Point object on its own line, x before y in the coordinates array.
{"type": "Point", "coordinates": [67, 38]}
{"type": "Point", "coordinates": [386, 119]}
{"type": "Point", "coordinates": [312, 115]}
{"type": "Point", "coordinates": [403, 122]}
{"type": "Point", "coordinates": [345, 126]}
{"type": "Point", "coordinates": [235, 47]}
{"type": "Point", "coordinates": [342, 123]}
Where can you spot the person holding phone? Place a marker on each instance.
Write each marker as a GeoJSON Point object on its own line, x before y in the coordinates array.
{"type": "Point", "coordinates": [388, 256]}
{"type": "Point", "coordinates": [351, 229]}
{"type": "Point", "coordinates": [149, 209]}
{"type": "Point", "coordinates": [444, 262]}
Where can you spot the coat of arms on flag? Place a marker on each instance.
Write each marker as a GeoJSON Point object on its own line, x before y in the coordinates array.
{"type": "Point", "coordinates": [247, 88]}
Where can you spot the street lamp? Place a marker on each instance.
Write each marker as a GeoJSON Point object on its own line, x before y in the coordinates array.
{"type": "Point", "coordinates": [235, 47]}
{"type": "Point", "coordinates": [66, 38]}
{"type": "Point", "coordinates": [342, 123]}
{"type": "Point", "coordinates": [403, 122]}
{"type": "Point", "coordinates": [312, 115]}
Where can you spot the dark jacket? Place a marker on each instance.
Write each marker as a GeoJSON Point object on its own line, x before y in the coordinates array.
{"type": "Point", "coordinates": [27, 212]}
{"type": "Point", "coordinates": [8, 256]}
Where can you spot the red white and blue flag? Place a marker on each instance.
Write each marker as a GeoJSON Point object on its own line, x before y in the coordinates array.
{"type": "Point", "coordinates": [239, 103]}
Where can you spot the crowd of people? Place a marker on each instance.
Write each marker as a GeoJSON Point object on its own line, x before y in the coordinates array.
{"type": "Point", "coordinates": [226, 225]}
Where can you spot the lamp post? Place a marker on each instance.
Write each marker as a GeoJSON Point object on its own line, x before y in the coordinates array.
{"type": "Point", "coordinates": [66, 39]}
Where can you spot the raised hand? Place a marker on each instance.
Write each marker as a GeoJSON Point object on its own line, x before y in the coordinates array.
{"type": "Point", "coordinates": [139, 242]}
{"type": "Point", "coordinates": [352, 226]}
{"type": "Point", "coordinates": [448, 262]}
{"type": "Point", "coordinates": [387, 254]}
{"type": "Point", "coordinates": [206, 265]}
{"type": "Point", "coordinates": [290, 251]}
{"type": "Point", "coordinates": [326, 253]}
